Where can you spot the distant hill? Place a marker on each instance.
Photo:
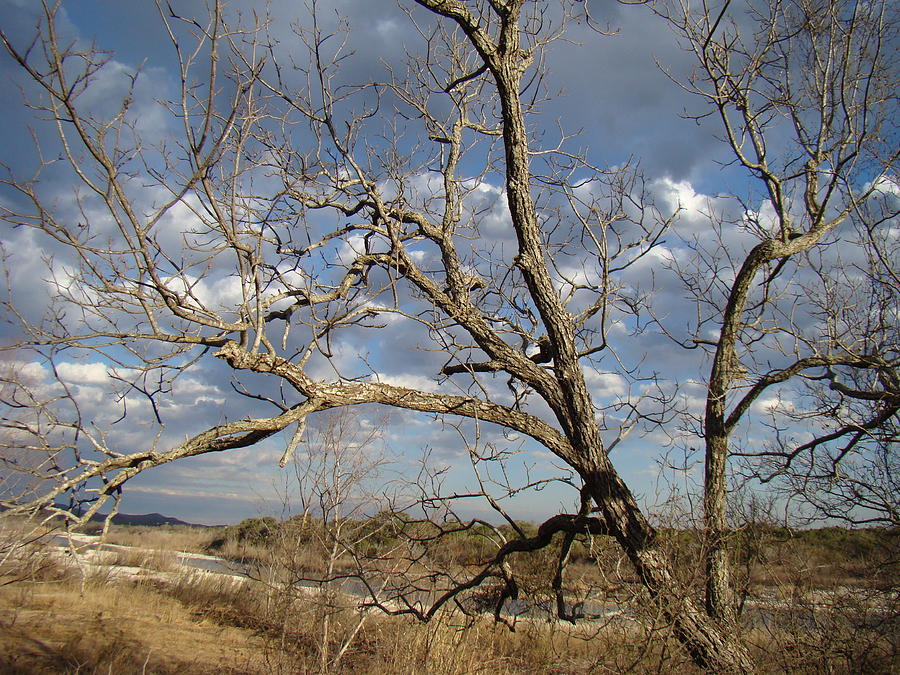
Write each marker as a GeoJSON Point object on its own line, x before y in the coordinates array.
{"type": "Point", "coordinates": [147, 519]}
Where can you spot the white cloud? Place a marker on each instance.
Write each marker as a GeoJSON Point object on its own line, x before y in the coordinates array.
{"type": "Point", "coordinates": [885, 185]}
{"type": "Point", "coordinates": [774, 405]}
{"type": "Point", "coordinates": [681, 196]}
{"type": "Point", "coordinates": [217, 294]}
{"type": "Point", "coordinates": [410, 381]}
{"type": "Point", "coordinates": [194, 491]}
{"type": "Point", "coordinates": [83, 373]}
{"type": "Point", "coordinates": [200, 400]}
{"type": "Point", "coordinates": [605, 384]}
{"type": "Point", "coordinates": [764, 217]}
{"type": "Point", "coordinates": [26, 372]}
{"type": "Point", "coordinates": [191, 385]}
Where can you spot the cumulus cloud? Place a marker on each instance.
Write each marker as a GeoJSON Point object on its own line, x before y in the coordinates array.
{"type": "Point", "coordinates": [625, 107]}
{"type": "Point", "coordinates": [605, 385]}
{"type": "Point", "coordinates": [774, 405]}
{"type": "Point", "coordinates": [410, 381]}
{"type": "Point", "coordinates": [680, 196]}
{"type": "Point", "coordinates": [83, 373]}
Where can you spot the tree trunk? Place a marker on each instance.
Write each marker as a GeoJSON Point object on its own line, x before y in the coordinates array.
{"type": "Point", "coordinates": [719, 598]}
{"type": "Point", "coordinates": [709, 642]}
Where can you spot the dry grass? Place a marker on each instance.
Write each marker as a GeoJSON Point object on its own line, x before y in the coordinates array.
{"type": "Point", "coordinates": [199, 623]}
{"type": "Point", "coordinates": [49, 627]}
{"type": "Point", "coordinates": [210, 623]}
{"type": "Point", "coordinates": [165, 538]}
{"type": "Point", "coordinates": [160, 561]}
{"type": "Point", "coordinates": [170, 620]}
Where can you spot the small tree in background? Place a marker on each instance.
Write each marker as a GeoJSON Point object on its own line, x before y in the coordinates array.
{"type": "Point", "coordinates": [804, 95]}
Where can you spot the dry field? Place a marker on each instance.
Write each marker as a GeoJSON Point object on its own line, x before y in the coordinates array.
{"type": "Point", "coordinates": [51, 627]}
{"type": "Point", "coordinates": [137, 610]}
{"type": "Point", "coordinates": [167, 622]}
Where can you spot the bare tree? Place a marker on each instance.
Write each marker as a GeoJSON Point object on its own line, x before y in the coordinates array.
{"type": "Point", "coordinates": [293, 211]}
{"type": "Point", "coordinates": [317, 550]}
{"type": "Point", "coordinates": [804, 92]}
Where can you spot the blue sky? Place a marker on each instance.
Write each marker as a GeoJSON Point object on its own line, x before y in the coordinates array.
{"type": "Point", "coordinates": [608, 88]}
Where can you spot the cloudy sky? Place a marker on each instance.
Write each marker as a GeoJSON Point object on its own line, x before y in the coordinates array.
{"type": "Point", "coordinates": [609, 88]}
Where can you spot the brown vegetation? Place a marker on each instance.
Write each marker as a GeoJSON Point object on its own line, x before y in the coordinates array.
{"type": "Point", "coordinates": [817, 601]}
{"type": "Point", "coordinates": [203, 625]}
